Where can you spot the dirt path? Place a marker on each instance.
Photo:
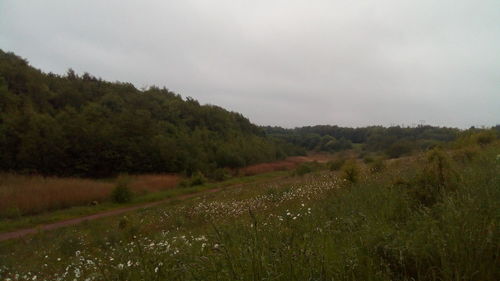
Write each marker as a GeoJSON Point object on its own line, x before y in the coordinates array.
{"type": "Point", "coordinates": [69, 222]}
{"type": "Point", "coordinates": [74, 221]}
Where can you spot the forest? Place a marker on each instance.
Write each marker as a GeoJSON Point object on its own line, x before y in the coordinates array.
{"type": "Point", "coordinates": [80, 125]}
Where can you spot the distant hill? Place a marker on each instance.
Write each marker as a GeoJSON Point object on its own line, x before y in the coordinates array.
{"type": "Point", "coordinates": [81, 125]}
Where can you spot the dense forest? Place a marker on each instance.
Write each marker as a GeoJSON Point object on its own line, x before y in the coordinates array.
{"type": "Point", "coordinates": [84, 126]}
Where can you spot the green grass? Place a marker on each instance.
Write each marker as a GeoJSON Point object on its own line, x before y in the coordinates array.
{"type": "Point", "coordinates": [315, 227]}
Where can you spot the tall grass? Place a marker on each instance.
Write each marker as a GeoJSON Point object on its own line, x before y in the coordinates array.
{"type": "Point", "coordinates": [26, 195]}
{"type": "Point", "coordinates": [20, 195]}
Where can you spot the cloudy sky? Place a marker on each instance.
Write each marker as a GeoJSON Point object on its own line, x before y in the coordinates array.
{"type": "Point", "coordinates": [288, 63]}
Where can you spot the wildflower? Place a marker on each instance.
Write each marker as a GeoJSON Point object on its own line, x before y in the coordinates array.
{"type": "Point", "coordinates": [120, 266]}
{"type": "Point", "coordinates": [129, 263]}
{"type": "Point", "coordinates": [156, 269]}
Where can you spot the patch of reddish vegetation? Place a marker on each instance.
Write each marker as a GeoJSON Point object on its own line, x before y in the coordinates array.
{"type": "Point", "coordinates": [152, 183]}
{"type": "Point", "coordinates": [287, 164]}
{"type": "Point", "coordinates": [20, 195]}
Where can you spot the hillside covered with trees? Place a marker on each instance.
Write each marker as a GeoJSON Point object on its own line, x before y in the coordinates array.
{"type": "Point", "coordinates": [84, 126]}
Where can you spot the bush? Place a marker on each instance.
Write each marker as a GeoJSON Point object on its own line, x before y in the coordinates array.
{"type": "Point", "coordinates": [485, 137]}
{"type": "Point", "coordinates": [350, 171]}
{"type": "Point", "coordinates": [335, 165]}
{"type": "Point", "coordinates": [377, 165]}
{"type": "Point", "coordinates": [466, 154]}
{"type": "Point", "coordinates": [303, 169]}
{"type": "Point", "coordinates": [435, 179]}
{"type": "Point", "coordinates": [399, 149]}
{"type": "Point", "coordinates": [220, 175]}
{"type": "Point", "coordinates": [121, 193]}
{"type": "Point", "coordinates": [197, 179]}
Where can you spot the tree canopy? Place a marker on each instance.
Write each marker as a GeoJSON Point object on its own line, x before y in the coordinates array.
{"type": "Point", "coordinates": [81, 125]}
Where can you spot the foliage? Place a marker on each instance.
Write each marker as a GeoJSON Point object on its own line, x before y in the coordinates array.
{"type": "Point", "coordinates": [220, 174]}
{"type": "Point", "coordinates": [377, 165]}
{"type": "Point", "coordinates": [303, 169]}
{"type": "Point", "coordinates": [306, 168]}
{"type": "Point", "coordinates": [197, 179]}
{"type": "Point", "coordinates": [436, 178]}
{"type": "Point", "coordinates": [350, 171]}
{"type": "Point", "coordinates": [336, 164]}
{"type": "Point", "coordinates": [121, 193]}
{"type": "Point", "coordinates": [80, 125]}
{"type": "Point", "coordinates": [395, 140]}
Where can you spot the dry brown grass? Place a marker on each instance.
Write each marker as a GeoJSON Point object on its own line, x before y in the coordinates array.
{"type": "Point", "coordinates": [20, 195]}
{"type": "Point", "coordinates": [153, 183]}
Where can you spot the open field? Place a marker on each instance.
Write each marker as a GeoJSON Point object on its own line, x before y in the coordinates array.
{"type": "Point", "coordinates": [387, 226]}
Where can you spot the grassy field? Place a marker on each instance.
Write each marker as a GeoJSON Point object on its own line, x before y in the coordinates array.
{"type": "Point", "coordinates": [430, 217]}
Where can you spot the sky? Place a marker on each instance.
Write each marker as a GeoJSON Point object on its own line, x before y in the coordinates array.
{"type": "Point", "coordinates": [287, 63]}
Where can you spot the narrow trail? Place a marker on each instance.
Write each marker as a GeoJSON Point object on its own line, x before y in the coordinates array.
{"type": "Point", "coordinates": [69, 222]}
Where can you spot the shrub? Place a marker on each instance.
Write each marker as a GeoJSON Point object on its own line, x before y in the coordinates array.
{"type": "Point", "coordinates": [485, 137]}
{"type": "Point", "coordinates": [197, 179]}
{"type": "Point", "coordinates": [303, 169]}
{"type": "Point", "coordinates": [121, 193]}
{"type": "Point", "coordinates": [399, 149]}
{"type": "Point", "coordinates": [377, 165]}
{"type": "Point", "coordinates": [436, 178]}
{"type": "Point", "coordinates": [220, 174]}
{"type": "Point", "coordinates": [350, 171]}
{"type": "Point", "coordinates": [368, 159]}
{"type": "Point", "coordinates": [465, 154]}
{"type": "Point", "coordinates": [336, 164]}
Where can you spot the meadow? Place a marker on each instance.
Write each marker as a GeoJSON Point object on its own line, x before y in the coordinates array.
{"type": "Point", "coordinates": [433, 216]}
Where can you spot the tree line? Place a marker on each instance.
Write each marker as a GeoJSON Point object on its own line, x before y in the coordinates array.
{"type": "Point", "coordinates": [394, 141]}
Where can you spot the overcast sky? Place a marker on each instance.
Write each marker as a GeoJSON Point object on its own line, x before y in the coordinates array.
{"type": "Point", "coordinates": [288, 63]}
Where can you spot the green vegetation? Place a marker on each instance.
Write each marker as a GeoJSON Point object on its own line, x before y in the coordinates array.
{"type": "Point", "coordinates": [350, 171]}
{"type": "Point", "coordinates": [394, 141]}
{"type": "Point", "coordinates": [314, 227]}
{"type": "Point", "coordinates": [121, 193]}
{"type": "Point", "coordinates": [80, 125]}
